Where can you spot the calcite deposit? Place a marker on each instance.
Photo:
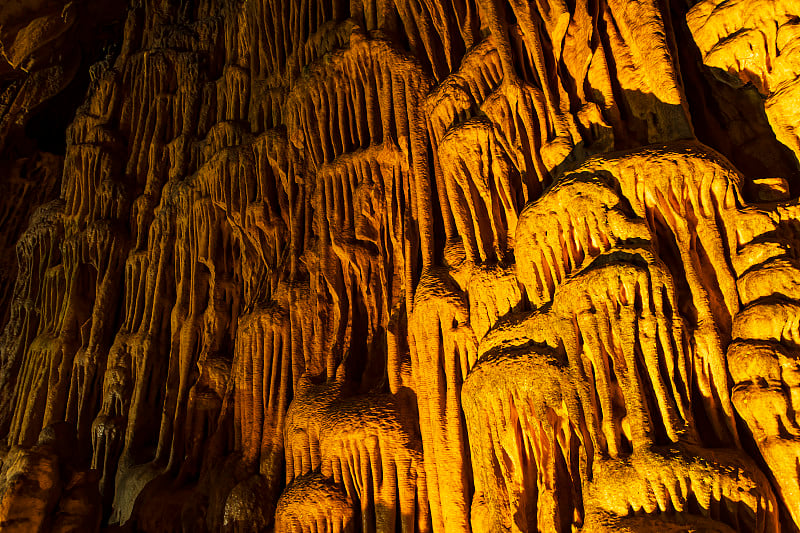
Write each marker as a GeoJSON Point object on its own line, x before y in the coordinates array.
{"type": "Point", "coordinates": [430, 266]}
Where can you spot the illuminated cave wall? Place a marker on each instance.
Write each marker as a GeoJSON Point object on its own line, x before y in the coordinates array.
{"type": "Point", "coordinates": [400, 265]}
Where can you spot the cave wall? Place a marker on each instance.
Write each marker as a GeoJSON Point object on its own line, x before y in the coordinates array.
{"type": "Point", "coordinates": [399, 265]}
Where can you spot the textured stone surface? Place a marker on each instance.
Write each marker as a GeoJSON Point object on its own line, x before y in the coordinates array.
{"type": "Point", "coordinates": [399, 265]}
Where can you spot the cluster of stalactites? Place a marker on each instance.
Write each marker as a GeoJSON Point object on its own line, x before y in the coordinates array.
{"type": "Point", "coordinates": [624, 366]}
{"type": "Point", "coordinates": [271, 215]}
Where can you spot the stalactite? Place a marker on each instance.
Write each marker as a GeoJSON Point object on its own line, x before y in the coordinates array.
{"type": "Point", "coordinates": [399, 265]}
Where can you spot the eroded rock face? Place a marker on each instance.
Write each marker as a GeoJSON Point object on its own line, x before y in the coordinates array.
{"type": "Point", "coordinates": [378, 266]}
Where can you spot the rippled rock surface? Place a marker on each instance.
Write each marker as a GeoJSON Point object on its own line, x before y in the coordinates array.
{"type": "Point", "coordinates": [399, 265]}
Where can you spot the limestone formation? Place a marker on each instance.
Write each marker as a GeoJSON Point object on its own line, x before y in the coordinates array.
{"type": "Point", "coordinates": [430, 266]}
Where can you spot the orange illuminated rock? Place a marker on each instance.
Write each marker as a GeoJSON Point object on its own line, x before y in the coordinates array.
{"type": "Point", "coordinates": [372, 266]}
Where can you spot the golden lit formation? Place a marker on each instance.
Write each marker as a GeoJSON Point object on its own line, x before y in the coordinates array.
{"type": "Point", "coordinates": [371, 266]}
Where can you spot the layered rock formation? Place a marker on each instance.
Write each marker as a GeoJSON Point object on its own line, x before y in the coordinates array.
{"type": "Point", "coordinates": [399, 265]}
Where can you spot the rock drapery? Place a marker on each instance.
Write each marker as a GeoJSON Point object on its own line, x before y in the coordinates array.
{"type": "Point", "coordinates": [400, 265]}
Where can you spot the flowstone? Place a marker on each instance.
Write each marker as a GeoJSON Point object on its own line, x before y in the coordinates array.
{"type": "Point", "coordinates": [435, 266]}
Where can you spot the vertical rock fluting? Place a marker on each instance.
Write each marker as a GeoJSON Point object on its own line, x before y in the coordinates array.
{"type": "Point", "coordinates": [420, 266]}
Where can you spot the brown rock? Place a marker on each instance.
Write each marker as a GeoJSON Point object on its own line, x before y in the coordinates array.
{"type": "Point", "coordinates": [437, 266]}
